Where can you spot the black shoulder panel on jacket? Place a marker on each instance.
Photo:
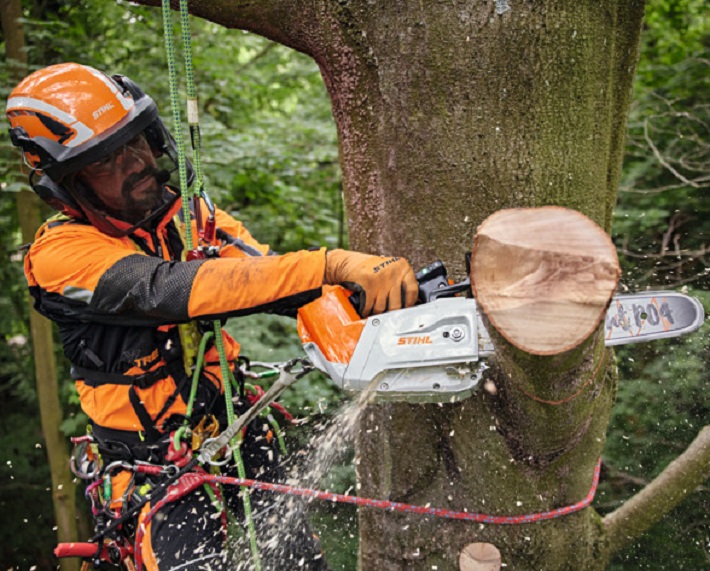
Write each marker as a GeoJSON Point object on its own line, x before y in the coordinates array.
{"type": "Point", "coordinates": [142, 287]}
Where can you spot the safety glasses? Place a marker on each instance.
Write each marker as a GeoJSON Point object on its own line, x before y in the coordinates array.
{"type": "Point", "coordinates": [137, 147]}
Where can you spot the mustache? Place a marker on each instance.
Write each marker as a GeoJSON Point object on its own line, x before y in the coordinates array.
{"type": "Point", "coordinates": [133, 179]}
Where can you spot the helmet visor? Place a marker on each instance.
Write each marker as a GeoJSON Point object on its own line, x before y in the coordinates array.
{"type": "Point", "coordinates": [131, 151]}
{"type": "Point", "coordinates": [126, 184]}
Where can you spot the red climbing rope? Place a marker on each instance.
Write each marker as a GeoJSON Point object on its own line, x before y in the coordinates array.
{"type": "Point", "coordinates": [409, 508]}
{"type": "Point", "coordinates": [195, 479]}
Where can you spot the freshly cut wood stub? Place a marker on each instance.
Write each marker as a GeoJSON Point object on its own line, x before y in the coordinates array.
{"type": "Point", "coordinates": [480, 557]}
{"type": "Point", "coordinates": [543, 276]}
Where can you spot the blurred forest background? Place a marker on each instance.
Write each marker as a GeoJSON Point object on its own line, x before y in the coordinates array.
{"type": "Point", "coordinates": [271, 158]}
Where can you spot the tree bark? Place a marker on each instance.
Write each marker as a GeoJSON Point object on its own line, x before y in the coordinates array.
{"type": "Point", "coordinates": [448, 112]}
{"type": "Point", "coordinates": [63, 487]}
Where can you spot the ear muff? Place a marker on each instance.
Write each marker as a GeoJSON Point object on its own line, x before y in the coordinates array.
{"type": "Point", "coordinates": [56, 196]}
{"type": "Point", "coordinates": [43, 148]}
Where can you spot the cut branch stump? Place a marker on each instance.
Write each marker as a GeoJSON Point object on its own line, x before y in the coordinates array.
{"type": "Point", "coordinates": [543, 276]}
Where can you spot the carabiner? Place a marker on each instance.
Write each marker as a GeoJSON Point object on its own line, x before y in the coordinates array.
{"type": "Point", "coordinates": [118, 464]}
{"type": "Point", "coordinates": [210, 461]}
{"type": "Point", "coordinates": [306, 367]}
{"type": "Point", "coordinates": [84, 472]}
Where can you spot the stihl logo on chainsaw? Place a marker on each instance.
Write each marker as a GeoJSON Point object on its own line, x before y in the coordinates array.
{"type": "Point", "coordinates": [415, 340]}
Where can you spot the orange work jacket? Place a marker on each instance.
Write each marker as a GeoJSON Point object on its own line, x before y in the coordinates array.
{"type": "Point", "coordinates": [117, 302]}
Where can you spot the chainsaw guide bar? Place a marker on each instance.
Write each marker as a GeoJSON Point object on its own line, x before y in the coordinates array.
{"type": "Point", "coordinates": [639, 317]}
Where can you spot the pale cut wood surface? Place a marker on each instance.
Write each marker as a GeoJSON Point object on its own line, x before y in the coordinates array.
{"type": "Point", "coordinates": [543, 276]}
{"type": "Point", "coordinates": [480, 557]}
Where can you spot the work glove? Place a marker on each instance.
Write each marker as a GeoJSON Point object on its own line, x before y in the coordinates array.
{"type": "Point", "coordinates": [383, 284]}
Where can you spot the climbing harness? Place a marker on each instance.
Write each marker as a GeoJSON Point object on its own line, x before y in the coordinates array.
{"type": "Point", "coordinates": [174, 479]}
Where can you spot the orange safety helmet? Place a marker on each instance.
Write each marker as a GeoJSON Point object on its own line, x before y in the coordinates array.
{"type": "Point", "coordinates": [67, 116]}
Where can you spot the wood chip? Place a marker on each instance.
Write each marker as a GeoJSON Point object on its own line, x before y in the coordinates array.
{"type": "Point", "coordinates": [480, 557]}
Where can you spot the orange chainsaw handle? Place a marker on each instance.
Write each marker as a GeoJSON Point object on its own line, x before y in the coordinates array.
{"type": "Point", "coordinates": [332, 323]}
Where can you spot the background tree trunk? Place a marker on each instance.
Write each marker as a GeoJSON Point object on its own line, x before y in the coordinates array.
{"type": "Point", "coordinates": [63, 487]}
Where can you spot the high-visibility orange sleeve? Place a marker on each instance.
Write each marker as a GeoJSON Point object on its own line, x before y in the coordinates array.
{"type": "Point", "coordinates": [109, 281]}
{"type": "Point", "coordinates": [268, 283]}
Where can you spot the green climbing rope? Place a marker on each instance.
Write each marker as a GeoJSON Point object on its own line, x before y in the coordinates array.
{"type": "Point", "coordinates": [180, 432]}
{"type": "Point", "coordinates": [177, 122]}
{"type": "Point", "coordinates": [193, 122]}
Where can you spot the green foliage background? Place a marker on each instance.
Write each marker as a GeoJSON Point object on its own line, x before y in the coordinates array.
{"type": "Point", "coordinates": [271, 160]}
{"type": "Point", "coordinates": [662, 224]}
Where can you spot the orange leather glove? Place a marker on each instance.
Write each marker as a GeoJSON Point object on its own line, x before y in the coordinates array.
{"type": "Point", "coordinates": [383, 283]}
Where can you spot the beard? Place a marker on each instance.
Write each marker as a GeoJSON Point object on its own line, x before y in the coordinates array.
{"type": "Point", "coordinates": [138, 197]}
{"type": "Point", "coordinates": [139, 203]}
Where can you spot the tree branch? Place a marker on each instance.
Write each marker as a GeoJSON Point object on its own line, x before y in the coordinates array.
{"type": "Point", "coordinates": [647, 507]}
{"type": "Point", "coordinates": [287, 22]}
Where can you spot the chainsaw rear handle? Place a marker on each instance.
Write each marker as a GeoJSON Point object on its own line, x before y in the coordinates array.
{"type": "Point", "coordinates": [433, 284]}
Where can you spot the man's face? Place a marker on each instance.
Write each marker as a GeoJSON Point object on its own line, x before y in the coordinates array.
{"type": "Point", "coordinates": [125, 181]}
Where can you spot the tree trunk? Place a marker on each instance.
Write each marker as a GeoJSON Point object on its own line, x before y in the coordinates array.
{"type": "Point", "coordinates": [446, 113]}
{"type": "Point", "coordinates": [63, 487]}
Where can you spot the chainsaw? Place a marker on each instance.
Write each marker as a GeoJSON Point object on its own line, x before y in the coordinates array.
{"type": "Point", "coordinates": [436, 350]}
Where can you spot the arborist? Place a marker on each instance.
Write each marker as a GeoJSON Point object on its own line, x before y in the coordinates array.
{"type": "Point", "coordinates": [112, 270]}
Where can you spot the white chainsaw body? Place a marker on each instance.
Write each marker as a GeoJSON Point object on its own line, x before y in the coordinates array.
{"type": "Point", "coordinates": [433, 349]}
